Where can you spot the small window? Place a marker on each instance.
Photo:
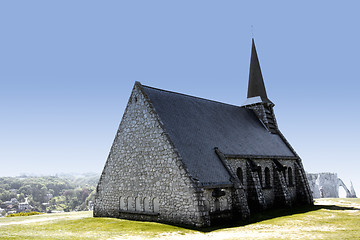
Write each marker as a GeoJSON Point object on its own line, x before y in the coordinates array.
{"type": "Point", "coordinates": [267, 178]}
{"type": "Point", "coordinates": [239, 174]}
{"type": "Point", "coordinates": [156, 205]}
{"type": "Point", "coordinates": [147, 204]}
{"type": "Point", "coordinates": [290, 176]}
{"type": "Point", "coordinates": [122, 203]}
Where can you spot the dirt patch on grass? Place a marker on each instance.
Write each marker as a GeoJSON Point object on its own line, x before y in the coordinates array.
{"type": "Point", "coordinates": [47, 218]}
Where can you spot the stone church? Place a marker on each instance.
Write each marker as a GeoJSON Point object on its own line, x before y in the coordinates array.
{"type": "Point", "coordinates": [185, 160]}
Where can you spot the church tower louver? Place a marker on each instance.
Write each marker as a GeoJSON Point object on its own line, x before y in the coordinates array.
{"type": "Point", "coordinates": [257, 99]}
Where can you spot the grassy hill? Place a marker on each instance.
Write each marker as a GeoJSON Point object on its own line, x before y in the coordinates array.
{"type": "Point", "coordinates": [328, 219]}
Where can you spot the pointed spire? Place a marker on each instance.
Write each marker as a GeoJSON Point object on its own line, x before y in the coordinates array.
{"type": "Point", "coordinates": [256, 86]}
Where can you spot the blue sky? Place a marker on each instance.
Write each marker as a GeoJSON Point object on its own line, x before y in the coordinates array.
{"type": "Point", "coordinates": [67, 69]}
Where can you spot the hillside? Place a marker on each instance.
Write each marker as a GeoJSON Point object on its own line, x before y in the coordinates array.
{"type": "Point", "coordinates": [328, 219]}
{"type": "Point", "coordinates": [60, 193]}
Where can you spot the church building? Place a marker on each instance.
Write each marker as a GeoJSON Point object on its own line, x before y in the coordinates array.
{"type": "Point", "coordinates": [185, 160]}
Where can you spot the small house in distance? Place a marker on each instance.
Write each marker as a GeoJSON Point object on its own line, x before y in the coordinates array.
{"type": "Point", "coordinates": [185, 160]}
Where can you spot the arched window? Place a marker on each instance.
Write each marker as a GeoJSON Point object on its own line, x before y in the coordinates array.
{"type": "Point", "coordinates": [290, 176]}
{"type": "Point", "coordinates": [122, 203]}
{"type": "Point", "coordinates": [147, 204]}
{"type": "Point", "coordinates": [239, 174]}
{"type": "Point", "coordinates": [267, 178]}
{"type": "Point", "coordinates": [156, 205]}
{"type": "Point", "coordinates": [260, 175]}
{"type": "Point", "coordinates": [138, 204]}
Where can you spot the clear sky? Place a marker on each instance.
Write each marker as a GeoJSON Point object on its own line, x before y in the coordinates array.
{"type": "Point", "coordinates": [67, 69]}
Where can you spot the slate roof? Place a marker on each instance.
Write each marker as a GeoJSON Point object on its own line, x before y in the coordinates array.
{"type": "Point", "coordinates": [196, 126]}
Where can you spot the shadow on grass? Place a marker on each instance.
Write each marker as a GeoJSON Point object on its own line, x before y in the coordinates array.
{"type": "Point", "coordinates": [334, 207]}
{"type": "Point", "coordinates": [271, 214]}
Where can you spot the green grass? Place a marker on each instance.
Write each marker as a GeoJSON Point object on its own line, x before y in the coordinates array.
{"type": "Point", "coordinates": [328, 219]}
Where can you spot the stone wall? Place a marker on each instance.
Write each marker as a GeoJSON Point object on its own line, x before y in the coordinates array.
{"type": "Point", "coordinates": [259, 110]}
{"type": "Point", "coordinates": [144, 178]}
{"type": "Point", "coordinates": [266, 114]}
{"type": "Point", "coordinates": [290, 180]}
{"type": "Point", "coordinates": [266, 180]}
{"type": "Point", "coordinates": [264, 184]}
{"type": "Point", "coordinates": [217, 204]}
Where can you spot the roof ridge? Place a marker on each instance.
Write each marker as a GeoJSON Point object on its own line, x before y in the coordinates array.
{"type": "Point", "coordinates": [186, 95]}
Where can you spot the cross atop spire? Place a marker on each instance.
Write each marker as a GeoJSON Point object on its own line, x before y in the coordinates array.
{"type": "Point", "coordinates": [256, 86]}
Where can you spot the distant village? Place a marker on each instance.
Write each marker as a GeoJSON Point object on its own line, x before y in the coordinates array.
{"type": "Point", "coordinates": [14, 206]}
{"type": "Point", "coordinates": [47, 194]}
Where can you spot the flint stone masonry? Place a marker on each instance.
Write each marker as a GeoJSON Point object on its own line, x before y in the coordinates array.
{"type": "Point", "coordinates": [143, 170]}
{"type": "Point", "coordinates": [145, 177]}
{"type": "Point", "coordinates": [190, 161]}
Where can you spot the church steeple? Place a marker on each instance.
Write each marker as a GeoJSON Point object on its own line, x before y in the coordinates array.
{"type": "Point", "coordinates": [256, 86]}
{"type": "Point", "coordinates": [257, 99]}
